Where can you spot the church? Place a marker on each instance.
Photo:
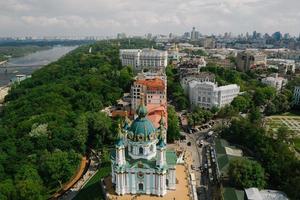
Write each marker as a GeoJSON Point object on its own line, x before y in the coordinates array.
{"type": "Point", "coordinates": [141, 163]}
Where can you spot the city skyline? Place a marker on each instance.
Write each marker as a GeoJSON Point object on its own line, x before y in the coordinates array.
{"type": "Point", "coordinates": [106, 18]}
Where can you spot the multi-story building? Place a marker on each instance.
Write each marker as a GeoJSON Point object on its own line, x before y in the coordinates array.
{"type": "Point", "coordinates": [141, 59]}
{"type": "Point", "coordinates": [194, 34]}
{"type": "Point", "coordinates": [209, 95]}
{"type": "Point", "coordinates": [274, 81]}
{"type": "Point", "coordinates": [191, 65]}
{"type": "Point", "coordinates": [208, 42]}
{"type": "Point", "coordinates": [297, 95]}
{"type": "Point", "coordinates": [284, 66]}
{"type": "Point", "coordinates": [151, 89]}
{"type": "Point", "coordinates": [200, 77]}
{"type": "Point", "coordinates": [251, 60]}
{"type": "Point", "coordinates": [130, 57]}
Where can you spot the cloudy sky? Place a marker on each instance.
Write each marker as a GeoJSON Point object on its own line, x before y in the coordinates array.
{"type": "Point", "coordinates": [107, 17]}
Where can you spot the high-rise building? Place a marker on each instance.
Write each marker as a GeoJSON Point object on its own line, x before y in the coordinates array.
{"type": "Point", "coordinates": [277, 36]}
{"type": "Point", "coordinates": [194, 34]}
{"type": "Point", "coordinates": [251, 60]}
{"type": "Point", "coordinates": [187, 35]}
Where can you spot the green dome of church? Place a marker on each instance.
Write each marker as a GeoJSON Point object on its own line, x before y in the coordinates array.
{"type": "Point", "coordinates": [141, 128]}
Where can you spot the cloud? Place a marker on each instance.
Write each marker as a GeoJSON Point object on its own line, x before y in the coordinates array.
{"type": "Point", "coordinates": [106, 17]}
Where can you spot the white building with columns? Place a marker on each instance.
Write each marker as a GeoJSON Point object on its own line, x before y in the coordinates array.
{"type": "Point", "coordinates": [208, 94]}
{"type": "Point", "coordinates": [141, 163]}
{"type": "Point", "coordinates": [144, 59]}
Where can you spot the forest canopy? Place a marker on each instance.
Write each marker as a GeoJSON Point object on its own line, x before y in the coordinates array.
{"type": "Point", "coordinates": [50, 120]}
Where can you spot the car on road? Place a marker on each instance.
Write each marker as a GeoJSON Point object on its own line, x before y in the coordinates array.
{"type": "Point", "coordinates": [189, 144]}
{"type": "Point", "coordinates": [210, 133]}
{"type": "Point", "coordinates": [200, 144]}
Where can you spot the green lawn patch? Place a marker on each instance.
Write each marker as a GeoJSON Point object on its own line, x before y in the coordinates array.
{"type": "Point", "coordinates": [92, 190]}
{"type": "Point", "coordinates": [297, 144]}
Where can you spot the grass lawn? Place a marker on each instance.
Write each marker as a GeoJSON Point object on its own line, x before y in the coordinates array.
{"type": "Point", "coordinates": [92, 190]}
{"type": "Point", "coordinates": [297, 144]}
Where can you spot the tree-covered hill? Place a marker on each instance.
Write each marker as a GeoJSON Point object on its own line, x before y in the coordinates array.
{"type": "Point", "coordinates": [50, 119]}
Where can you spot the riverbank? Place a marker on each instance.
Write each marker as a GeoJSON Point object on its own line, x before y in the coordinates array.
{"type": "Point", "coordinates": [19, 51]}
{"type": "Point", "coordinates": [3, 92]}
{"type": "Point", "coordinates": [26, 65]}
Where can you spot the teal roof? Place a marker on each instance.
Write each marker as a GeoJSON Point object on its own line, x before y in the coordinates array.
{"type": "Point", "coordinates": [120, 142]}
{"type": "Point", "coordinates": [142, 111]}
{"type": "Point", "coordinates": [171, 159]}
{"type": "Point", "coordinates": [142, 127]}
{"type": "Point", "coordinates": [233, 194]}
{"type": "Point", "coordinates": [120, 137]}
{"type": "Point", "coordinates": [223, 159]}
{"type": "Point", "coordinates": [161, 143]}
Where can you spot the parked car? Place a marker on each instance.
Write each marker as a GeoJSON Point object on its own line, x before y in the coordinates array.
{"type": "Point", "coordinates": [201, 142]}
{"type": "Point", "coordinates": [189, 143]}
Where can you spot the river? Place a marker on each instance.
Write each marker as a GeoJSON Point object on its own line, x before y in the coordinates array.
{"type": "Point", "coordinates": [31, 62]}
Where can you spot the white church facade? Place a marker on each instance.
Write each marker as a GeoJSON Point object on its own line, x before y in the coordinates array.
{"type": "Point", "coordinates": [141, 163]}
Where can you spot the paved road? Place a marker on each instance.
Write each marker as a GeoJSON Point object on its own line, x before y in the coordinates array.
{"type": "Point", "coordinates": [199, 159]}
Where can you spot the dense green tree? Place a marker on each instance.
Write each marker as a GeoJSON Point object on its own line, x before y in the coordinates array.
{"type": "Point", "coordinates": [199, 116]}
{"type": "Point", "coordinates": [30, 190]}
{"type": "Point", "coordinates": [7, 190]}
{"type": "Point", "coordinates": [99, 128]}
{"type": "Point", "coordinates": [284, 134]}
{"type": "Point", "coordinates": [245, 173]}
{"type": "Point", "coordinates": [255, 115]}
{"type": "Point", "coordinates": [275, 155]}
{"type": "Point", "coordinates": [263, 95]}
{"type": "Point", "coordinates": [175, 91]}
{"type": "Point", "coordinates": [242, 102]}
{"type": "Point", "coordinates": [58, 167]}
{"type": "Point", "coordinates": [227, 111]}
{"type": "Point", "coordinates": [173, 125]}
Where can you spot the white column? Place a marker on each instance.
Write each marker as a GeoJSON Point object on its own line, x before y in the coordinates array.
{"type": "Point", "coordinates": [164, 184]}
{"type": "Point", "coordinates": [123, 184]}
{"type": "Point", "coordinates": [117, 184]}
{"type": "Point", "coordinates": [158, 185]}
{"type": "Point", "coordinates": [127, 183]}
{"type": "Point", "coordinates": [133, 185]}
{"type": "Point", "coordinates": [147, 184]}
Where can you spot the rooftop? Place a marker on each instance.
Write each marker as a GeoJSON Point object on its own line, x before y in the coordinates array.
{"type": "Point", "coordinates": [233, 194]}
{"type": "Point", "coordinates": [152, 84]}
{"type": "Point", "coordinates": [256, 194]}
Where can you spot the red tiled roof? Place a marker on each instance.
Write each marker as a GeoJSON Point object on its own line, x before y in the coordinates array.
{"type": "Point", "coordinates": [152, 84]}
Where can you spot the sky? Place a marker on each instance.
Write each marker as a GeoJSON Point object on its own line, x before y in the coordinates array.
{"type": "Point", "coordinates": [138, 17]}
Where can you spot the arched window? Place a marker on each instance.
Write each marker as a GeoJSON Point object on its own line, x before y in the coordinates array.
{"type": "Point", "coordinates": [141, 151]}
{"type": "Point", "coordinates": [141, 186]}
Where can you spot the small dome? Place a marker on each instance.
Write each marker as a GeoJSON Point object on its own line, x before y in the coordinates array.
{"type": "Point", "coordinates": [142, 111]}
